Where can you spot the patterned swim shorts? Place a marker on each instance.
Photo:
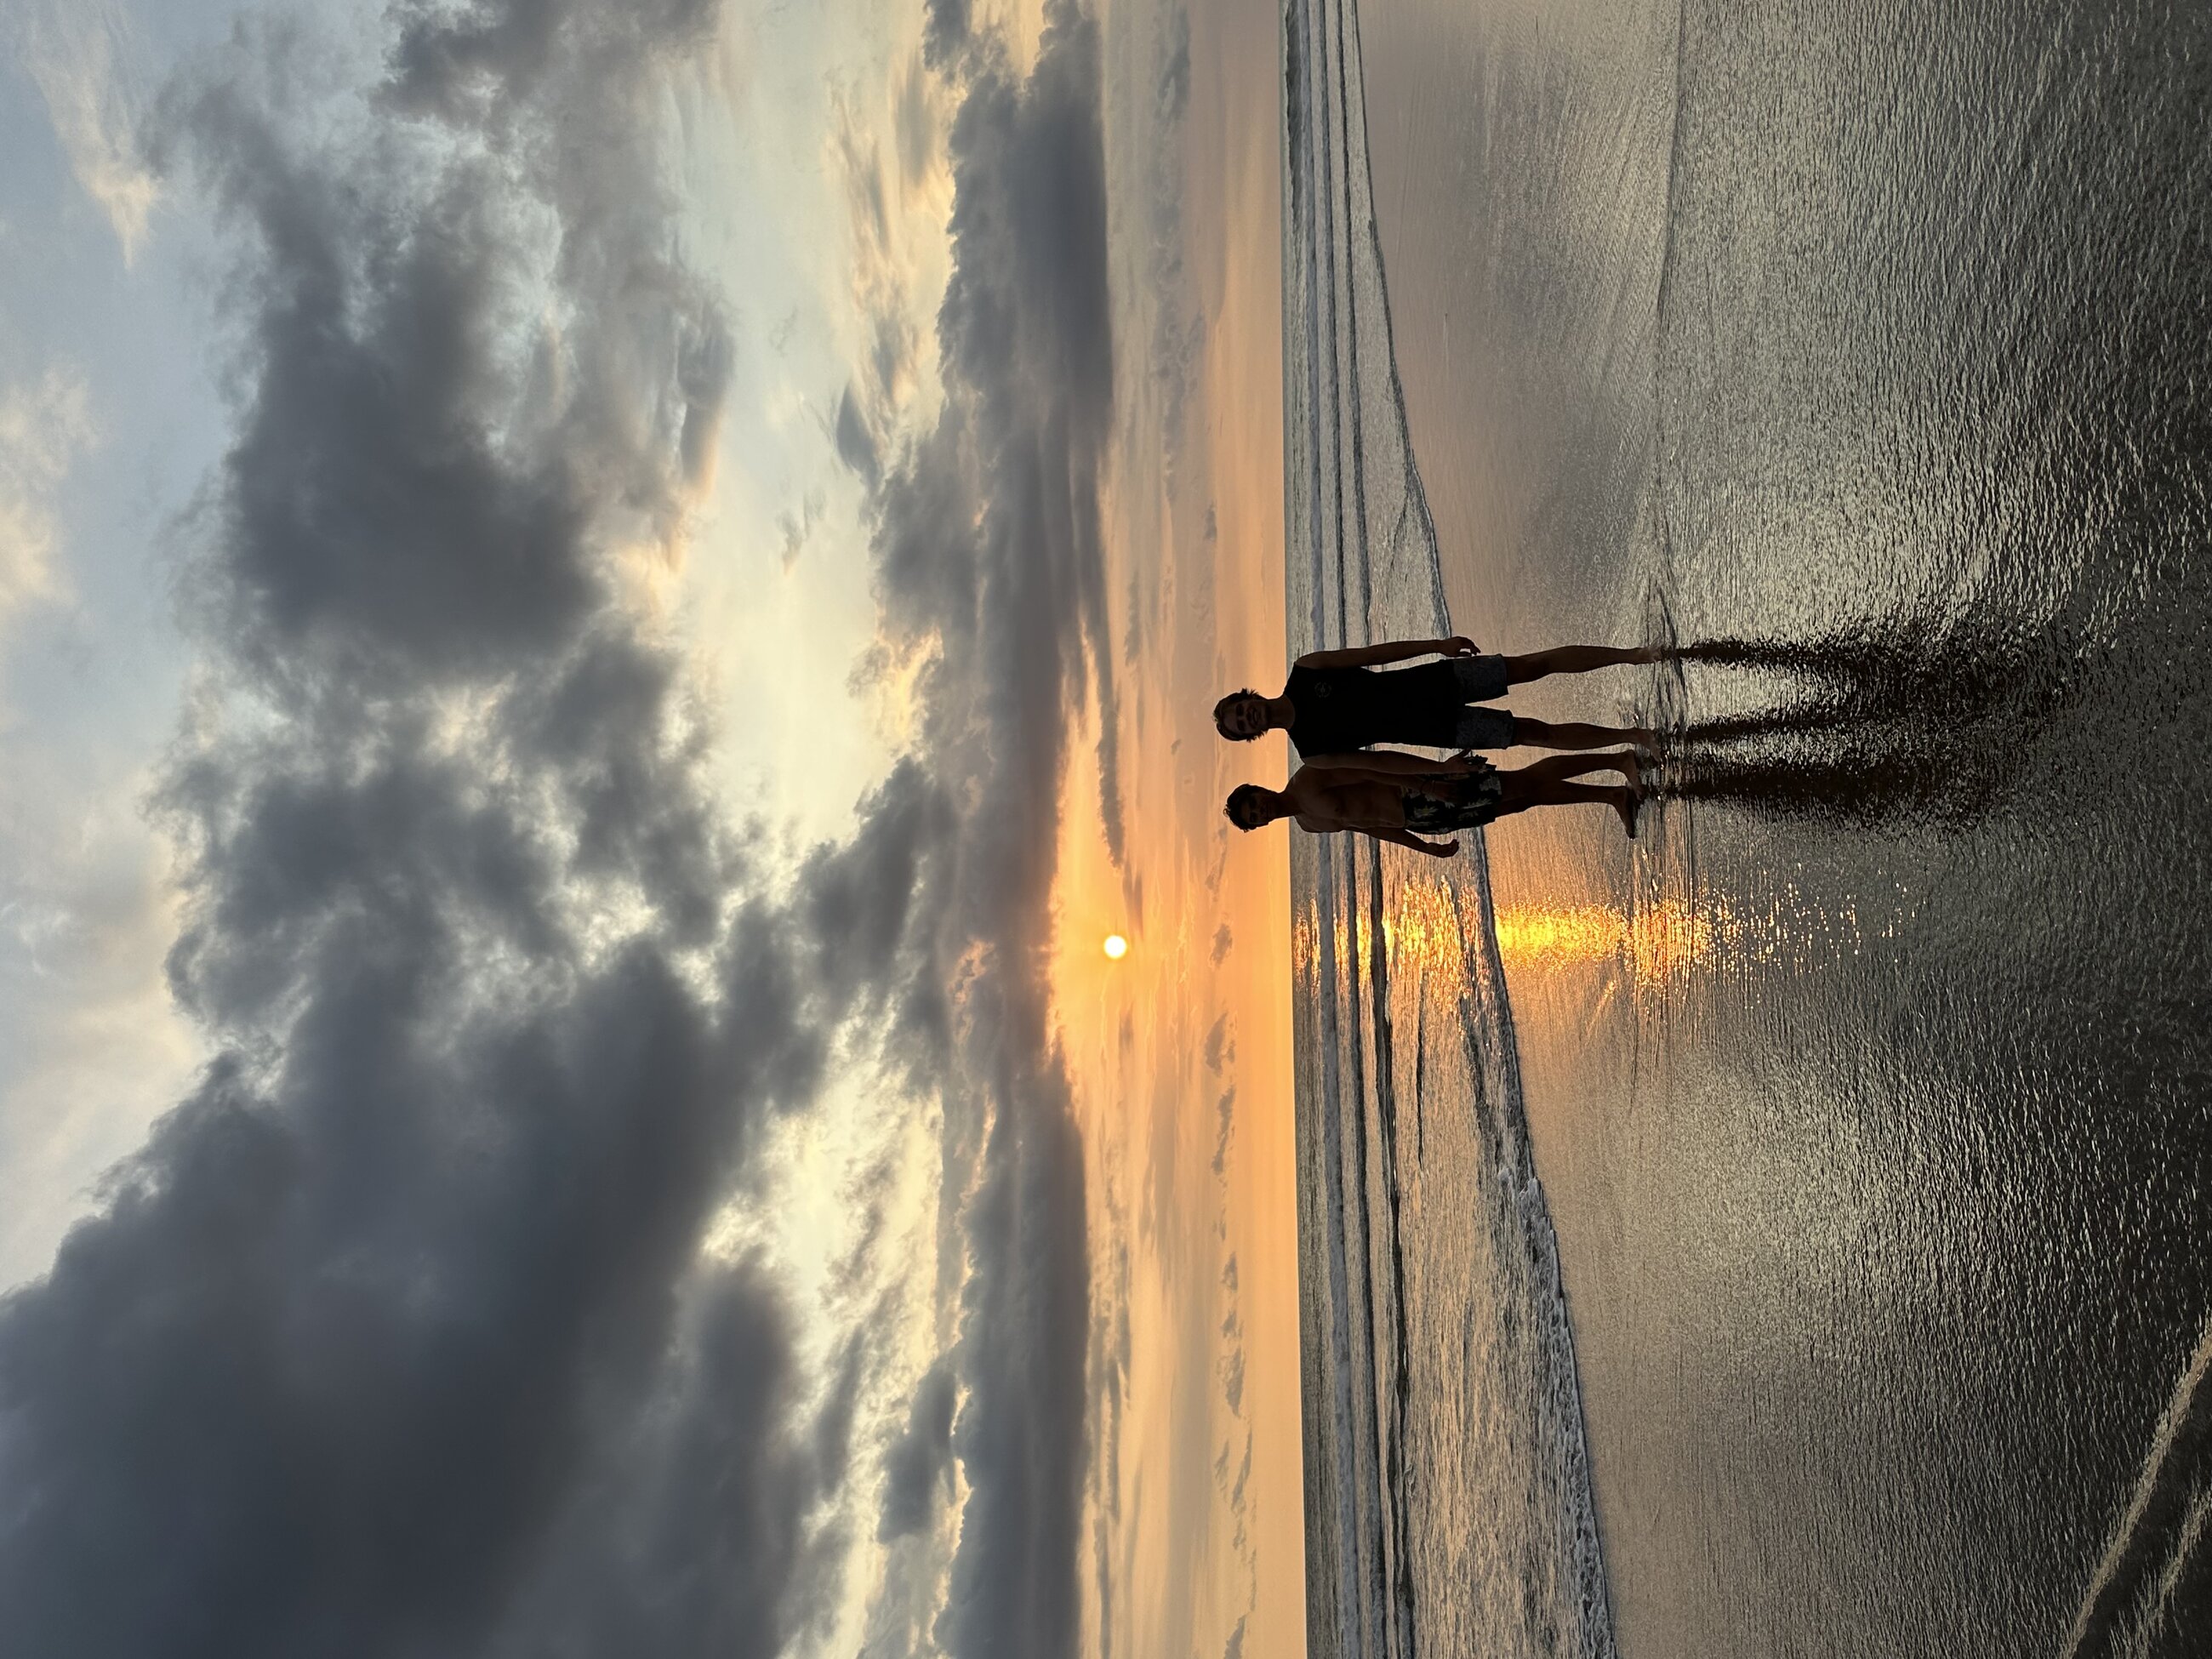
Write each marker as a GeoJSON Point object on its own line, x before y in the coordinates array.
{"type": "Point", "coordinates": [1467, 803]}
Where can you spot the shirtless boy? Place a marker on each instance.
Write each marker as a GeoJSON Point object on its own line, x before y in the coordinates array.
{"type": "Point", "coordinates": [1397, 798]}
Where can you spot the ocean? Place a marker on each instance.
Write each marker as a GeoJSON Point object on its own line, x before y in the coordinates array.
{"type": "Point", "coordinates": [1786, 1234]}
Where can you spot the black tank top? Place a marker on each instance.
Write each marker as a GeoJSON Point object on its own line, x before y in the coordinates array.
{"type": "Point", "coordinates": [1340, 709]}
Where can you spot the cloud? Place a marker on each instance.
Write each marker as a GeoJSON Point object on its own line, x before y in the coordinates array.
{"type": "Point", "coordinates": [1178, 332]}
{"type": "Point", "coordinates": [77, 53]}
{"type": "Point", "coordinates": [919, 1464]}
{"type": "Point", "coordinates": [798, 528]}
{"type": "Point", "coordinates": [91, 1047]}
{"type": "Point", "coordinates": [881, 267]}
{"type": "Point", "coordinates": [945, 30]}
{"type": "Point", "coordinates": [45, 425]}
{"type": "Point", "coordinates": [856, 445]}
{"type": "Point", "coordinates": [689, 1535]}
{"type": "Point", "coordinates": [397, 1336]}
{"type": "Point", "coordinates": [990, 570]}
{"type": "Point", "coordinates": [876, 909]}
{"type": "Point", "coordinates": [833, 1423]}
{"type": "Point", "coordinates": [914, 125]}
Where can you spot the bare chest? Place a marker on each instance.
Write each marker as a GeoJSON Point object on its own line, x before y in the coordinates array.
{"type": "Point", "coordinates": [1353, 806]}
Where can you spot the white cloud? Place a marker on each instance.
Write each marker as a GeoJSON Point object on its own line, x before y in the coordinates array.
{"type": "Point", "coordinates": [78, 54]}
{"type": "Point", "coordinates": [44, 427]}
{"type": "Point", "coordinates": [92, 1047]}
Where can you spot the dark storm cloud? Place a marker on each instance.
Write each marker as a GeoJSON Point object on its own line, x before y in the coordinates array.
{"type": "Point", "coordinates": [875, 908]}
{"type": "Point", "coordinates": [393, 1339]}
{"type": "Point", "coordinates": [462, 61]}
{"type": "Point", "coordinates": [1026, 340]}
{"type": "Point", "coordinates": [991, 572]}
{"type": "Point", "coordinates": [917, 1468]}
{"type": "Point", "coordinates": [688, 1534]}
{"type": "Point", "coordinates": [944, 30]}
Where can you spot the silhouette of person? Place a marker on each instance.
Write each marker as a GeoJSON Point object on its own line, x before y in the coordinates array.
{"type": "Point", "coordinates": [1400, 798]}
{"type": "Point", "coordinates": [1336, 701]}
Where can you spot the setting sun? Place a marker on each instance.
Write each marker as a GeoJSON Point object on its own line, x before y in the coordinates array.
{"type": "Point", "coordinates": [1116, 946]}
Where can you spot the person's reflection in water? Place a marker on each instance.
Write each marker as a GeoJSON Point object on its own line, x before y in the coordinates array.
{"type": "Point", "coordinates": [1908, 781]}
{"type": "Point", "coordinates": [1811, 715]}
{"type": "Point", "coordinates": [1942, 669]}
{"type": "Point", "coordinates": [1908, 726]}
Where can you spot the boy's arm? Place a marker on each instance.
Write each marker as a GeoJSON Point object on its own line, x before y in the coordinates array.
{"type": "Point", "coordinates": [1388, 765]}
{"type": "Point", "coordinates": [1374, 656]}
{"type": "Point", "coordinates": [1435, 850]}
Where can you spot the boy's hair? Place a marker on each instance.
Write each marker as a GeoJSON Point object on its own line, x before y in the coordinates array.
{"type": "Point", "coordinates": [1221, 709]}
{"type": "Point", "coordinates": [1243, 794]}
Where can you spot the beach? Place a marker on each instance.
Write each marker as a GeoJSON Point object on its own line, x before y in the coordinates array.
{"type": "Point", "coordinates": [1855, 1118]}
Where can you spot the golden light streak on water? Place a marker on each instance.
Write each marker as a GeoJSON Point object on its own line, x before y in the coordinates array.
{"type": "Point", "coordinates": [1422, 930]}
{"type": "Point", "coordinates": [1659, 942]}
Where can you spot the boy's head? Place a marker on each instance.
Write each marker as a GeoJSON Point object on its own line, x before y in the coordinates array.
{"type": "Point", "coordinates": [1248, 806]}
{"type": "Point", "coordinates": [1240, 716]}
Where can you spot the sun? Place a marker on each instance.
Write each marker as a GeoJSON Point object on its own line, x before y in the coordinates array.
{"type": "Point", "coordinates": [1116, 947]}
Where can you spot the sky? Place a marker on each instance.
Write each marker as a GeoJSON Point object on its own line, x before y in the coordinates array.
{"type": "Point", "coordinates": [602, 604]}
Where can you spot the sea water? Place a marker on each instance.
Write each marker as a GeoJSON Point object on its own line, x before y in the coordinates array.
{"type": "Point", "coordinates": [1787, 1235]}
{"type": "Point", "coordinates": [1448, 1499]}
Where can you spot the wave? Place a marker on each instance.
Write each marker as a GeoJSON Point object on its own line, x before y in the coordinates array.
{"type": "Point", "coordinates": [1401, 1016]}
{"type": "Point", "coordinates": [2152, 1590]}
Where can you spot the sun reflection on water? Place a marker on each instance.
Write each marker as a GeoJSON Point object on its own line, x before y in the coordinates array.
{"type": "Point", "coordinates": [1433, 929]}
{"type": "Point", "coordinates": [1659, 942]}
{"type": "Point", "coordinates": [1422, 926]}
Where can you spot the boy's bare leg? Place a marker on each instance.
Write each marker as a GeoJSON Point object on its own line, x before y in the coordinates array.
{"type": "Point", "coordinates": [1523, 791]}
{"type": "Point", "coordinates": [1580, 734]}
{"type": "Point", "coordinates": [1557, 769]}
{"type": "Point", "coordinates": [1577, 660]}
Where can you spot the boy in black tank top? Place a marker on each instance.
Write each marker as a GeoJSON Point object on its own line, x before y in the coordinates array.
{"type": "Point", "coordinates": [1336, 701]}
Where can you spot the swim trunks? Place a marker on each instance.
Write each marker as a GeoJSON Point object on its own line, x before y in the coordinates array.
{"type": "Point", "coordinates": [1482, 729]}
{"type": "Point", "coordinates": [1469, 802]}
{"type": "Point", "coordinates": [1342, 709]}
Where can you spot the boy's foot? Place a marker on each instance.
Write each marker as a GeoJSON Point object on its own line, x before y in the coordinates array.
{"type": "Point", "coordinates": [1627, 803]}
